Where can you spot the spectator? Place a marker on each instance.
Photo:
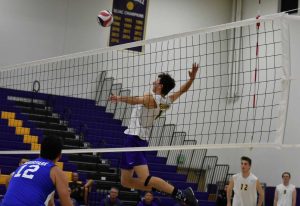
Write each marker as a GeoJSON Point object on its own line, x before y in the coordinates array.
{"type": "Point", "coordinates": [112, 199]}
{"type": "Point", "coordinates": [285, 193]}
{"type": "Point", "coordinates": [79, 191]}
{"type": "Point", "coordinates": [147, 200]}
{"type": "Point", "coordinates": [21, 162]}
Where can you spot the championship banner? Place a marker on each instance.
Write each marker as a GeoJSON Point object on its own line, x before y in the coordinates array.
{"type": "Point", "coordinates": [129, 22]}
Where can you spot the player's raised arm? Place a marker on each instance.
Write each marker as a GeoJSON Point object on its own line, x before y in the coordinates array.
{"type": "Point", "coordinates": [260, 193]}
{"type": "Point", "coordinates": [185, 87]}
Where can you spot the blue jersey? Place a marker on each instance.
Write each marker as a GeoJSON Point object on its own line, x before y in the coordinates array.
{"type": "Point", "coordinates": [30, 184]}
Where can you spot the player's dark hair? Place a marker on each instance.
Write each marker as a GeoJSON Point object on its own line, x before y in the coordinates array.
{"type": "Point", "coordinates": [168, 83]}
{"type": "Point", "coordinates": [286, 173]}
{"type": "Point", "coordinates": [247, 159]}
{"type": "Point", "coordinates": [51, 147]}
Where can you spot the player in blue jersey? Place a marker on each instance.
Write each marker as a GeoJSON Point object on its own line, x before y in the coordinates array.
{"type": "Point", "coordinates": [34, 183]}
{"type": "Point", "coordinates": [146, 110]}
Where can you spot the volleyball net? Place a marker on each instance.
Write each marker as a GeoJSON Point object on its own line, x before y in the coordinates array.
{"type": "Point", "coordinates": [238, 99]}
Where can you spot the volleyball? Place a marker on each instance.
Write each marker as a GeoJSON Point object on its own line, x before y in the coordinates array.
{"type": "Point", "coordinates": [105, 18]}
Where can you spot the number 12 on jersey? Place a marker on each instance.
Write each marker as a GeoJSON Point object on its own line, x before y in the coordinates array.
{"type": "Point", "coordinates": [28, 172]}
{"type": "Point", "coordinates": [244, 187]}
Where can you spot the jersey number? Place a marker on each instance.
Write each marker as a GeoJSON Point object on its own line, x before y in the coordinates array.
{"type": "Point", "coordinates": [244, 187]}
{"type": "Point", "coordinates": [28, 172]}
{"type": "Point", "coordinates": [163, 107]}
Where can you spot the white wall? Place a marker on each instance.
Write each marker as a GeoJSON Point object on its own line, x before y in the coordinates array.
{"type": "Point", "coordinates": [251, 8]}
{"type": "Point", "coordinates": [164, 18]}
{"type": "Point", "coordinates": [82, 30]}
{"type": "Point", "coordinates": [175, 16]}
{"type": "Point", "coordinates": [31, 29]}
{"type": "Point", "coordinates": [37, 29]}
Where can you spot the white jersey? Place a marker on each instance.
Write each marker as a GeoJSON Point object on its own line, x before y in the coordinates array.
{"type": "Point", "coordinates": [142, 118]}
{"type": "Point", "coordinates": [285, 194]}
{"type": "Point", "coordinates": [245, 192]}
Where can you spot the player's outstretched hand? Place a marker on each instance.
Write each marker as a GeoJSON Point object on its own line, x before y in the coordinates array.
{"type": "Point", "coordinates": [113, 98]}
{"type": "Point", "coordinates": [194, 71]}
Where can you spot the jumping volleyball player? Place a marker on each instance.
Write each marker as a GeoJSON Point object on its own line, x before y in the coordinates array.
{"type": "Point", "coordinates": [148, 108]}
{"type": "Point", "coordinates": [34, 182]}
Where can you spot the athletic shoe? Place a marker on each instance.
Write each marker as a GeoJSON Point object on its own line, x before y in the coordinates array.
{"type": "Point", "coordinates": [190, 198]}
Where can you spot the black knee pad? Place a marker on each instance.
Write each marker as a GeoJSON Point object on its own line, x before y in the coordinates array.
{"type": "Point", "coordinates": [147, 180]}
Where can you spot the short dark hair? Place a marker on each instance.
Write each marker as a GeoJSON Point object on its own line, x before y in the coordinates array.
{"type": "Point", "coordinates": [286, 173]}
{"type": "Point", "coordinates": [167, 81]}
{"type": "Point", "coordinates": [244, 158]}
{"type": "Point", "coordinates": [51, 147]}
